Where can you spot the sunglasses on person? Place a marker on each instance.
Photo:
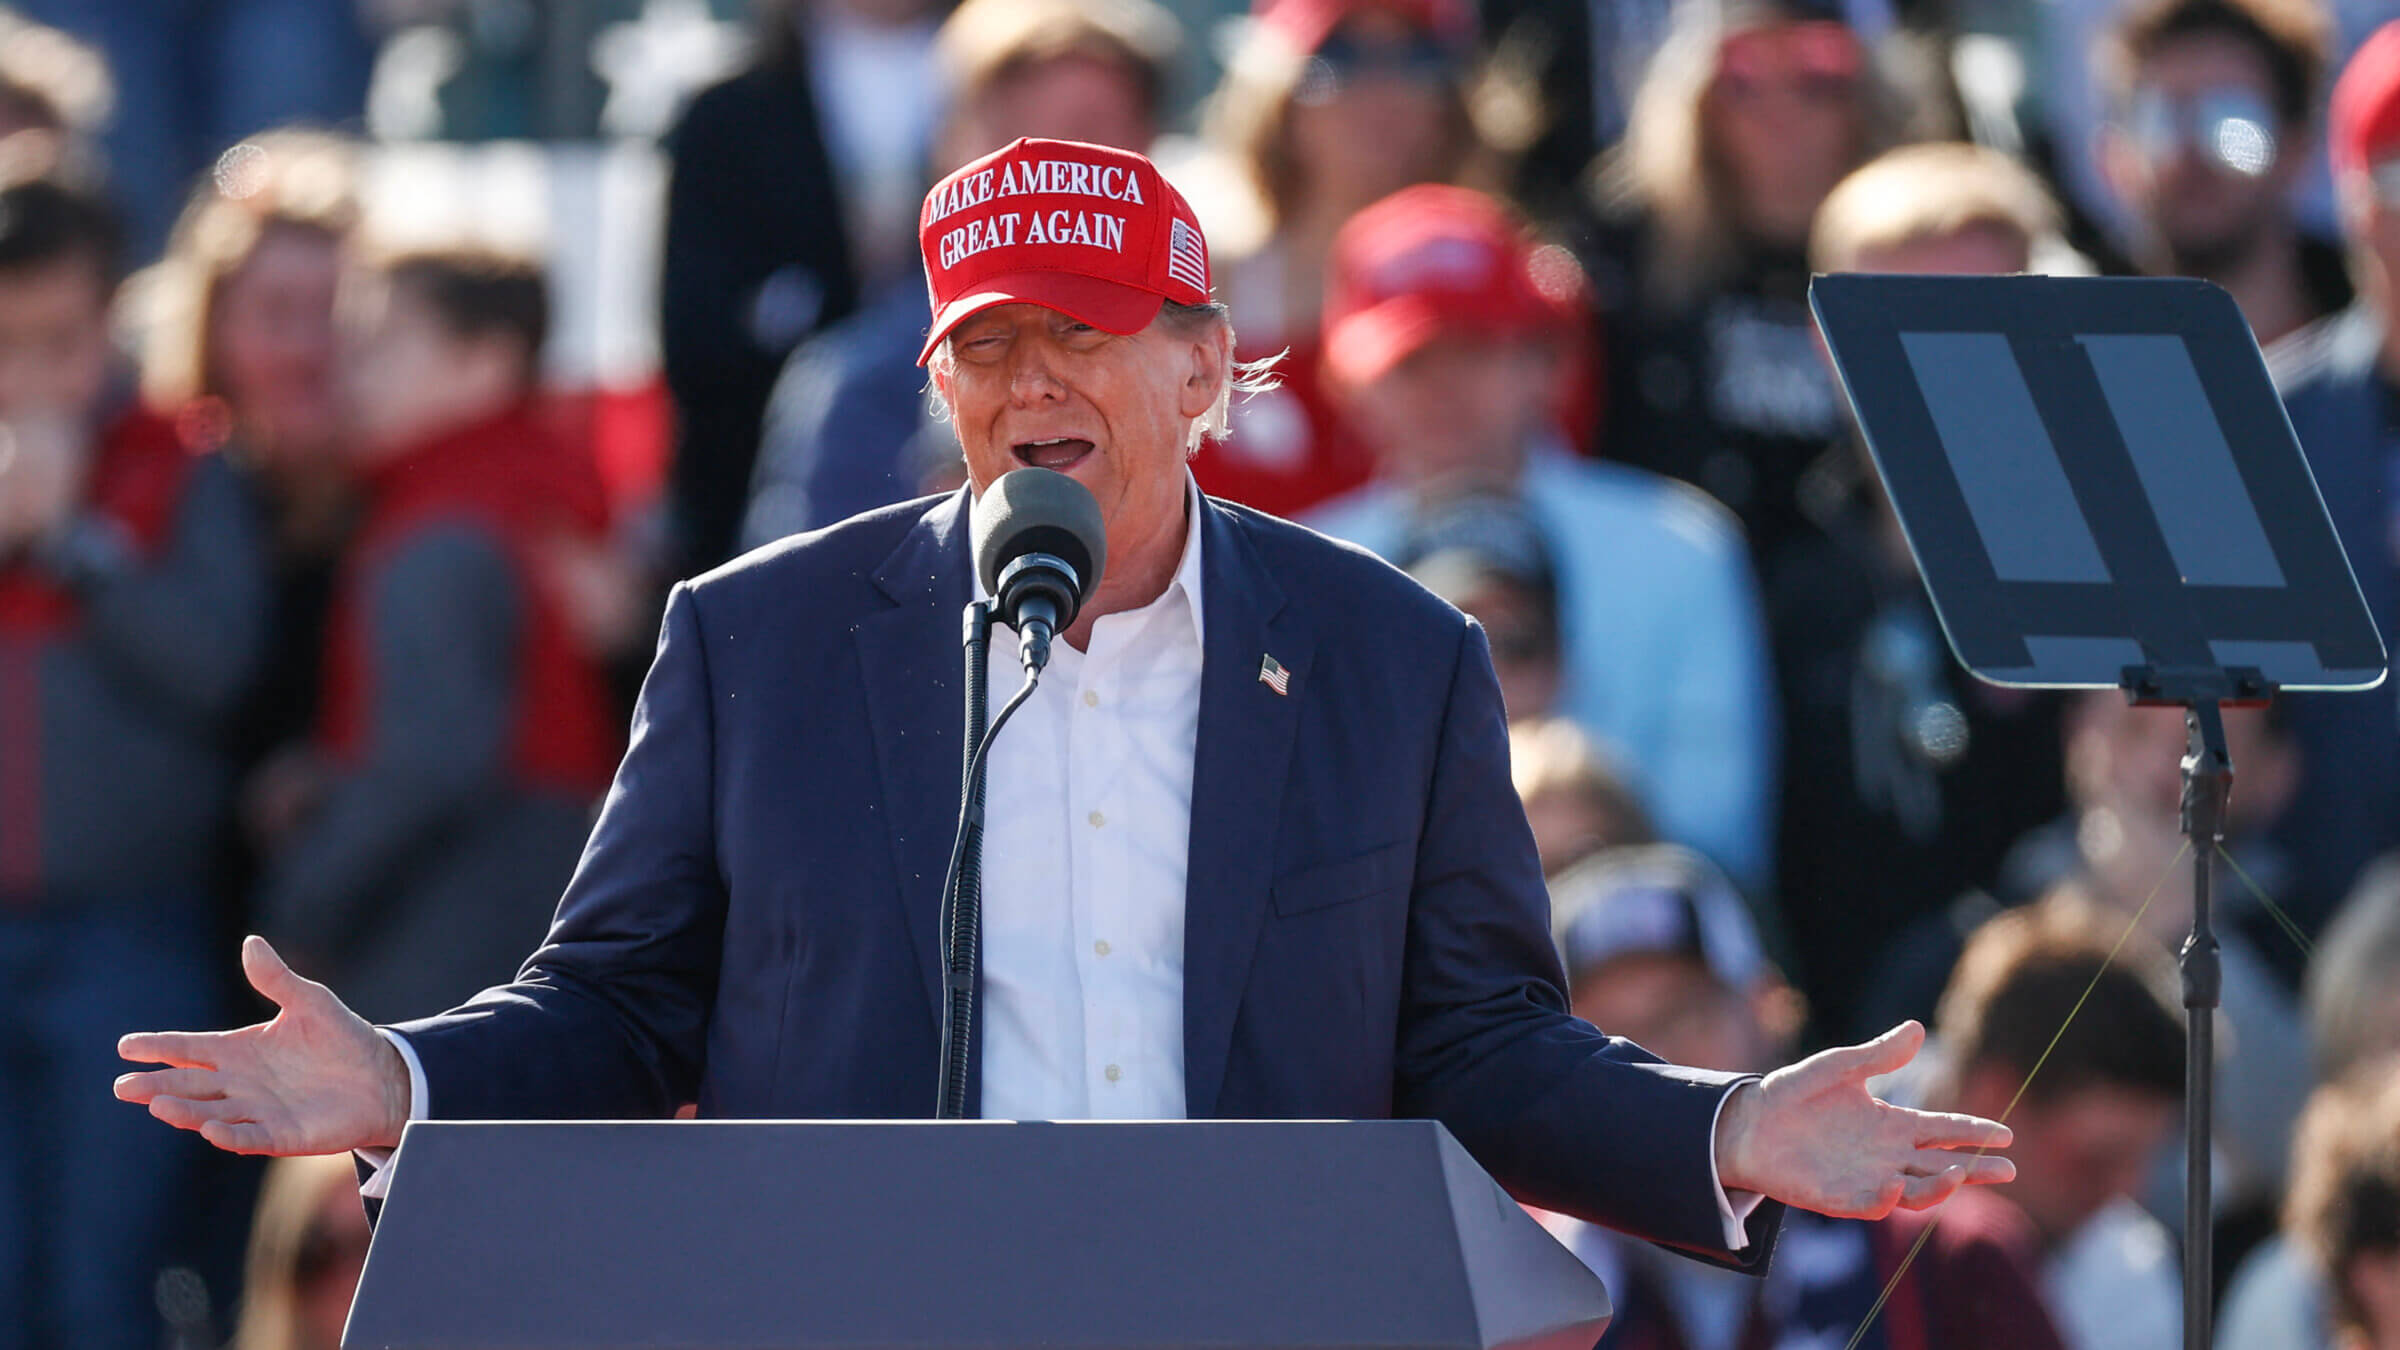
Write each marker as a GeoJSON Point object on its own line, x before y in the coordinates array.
{"type": "Point", "coordinates": [1819, 56]}
{"type": "Point", "coordinates": [1344, 59]}
{"type": "Point", "coordinates": [2230, 127]}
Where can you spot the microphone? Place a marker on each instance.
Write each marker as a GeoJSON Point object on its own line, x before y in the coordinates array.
{"type": "Point", "coordinates": [1039, 546]}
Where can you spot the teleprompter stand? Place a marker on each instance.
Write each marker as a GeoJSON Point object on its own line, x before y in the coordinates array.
{"type": "Point", "coordinates": [2102, 491]}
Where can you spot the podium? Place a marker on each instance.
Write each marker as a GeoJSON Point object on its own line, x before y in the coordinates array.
{"type": "Point", "coordinates": [934, 1234]}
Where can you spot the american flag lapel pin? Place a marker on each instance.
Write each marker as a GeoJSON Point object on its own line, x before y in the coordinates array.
{"type": "Point", "coordinates": [1272, 674]}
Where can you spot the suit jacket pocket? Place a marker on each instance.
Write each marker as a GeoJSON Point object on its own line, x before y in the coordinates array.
{"type": "Point", "coordinates": [1313, 888]}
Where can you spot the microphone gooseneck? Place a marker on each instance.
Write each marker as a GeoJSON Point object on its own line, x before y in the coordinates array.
{"type": "Point", "coordinates": [1040, 544]}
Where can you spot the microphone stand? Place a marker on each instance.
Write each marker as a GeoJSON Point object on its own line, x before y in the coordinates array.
{"type": "Point", "coordinates": [962, 884]}
{"type": "Point", "coordinates": [962, 890]}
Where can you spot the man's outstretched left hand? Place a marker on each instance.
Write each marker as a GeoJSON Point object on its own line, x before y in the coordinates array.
{"type": "Point", "coordinates": [1812, 1136]}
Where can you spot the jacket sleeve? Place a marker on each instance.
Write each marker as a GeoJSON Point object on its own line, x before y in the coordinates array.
{"type": "Point", "coordinates": [443, 619]}
{"type": "Point", "coordinates": [187, 627]}
{"type": "Point", "coordinates": [607, 1019]}
{"type": "Point", "coordinates": [1562, 1115]}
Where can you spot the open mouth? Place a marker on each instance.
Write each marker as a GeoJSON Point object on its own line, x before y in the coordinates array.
{"type": "Point", "coordinates": [1056, 452]}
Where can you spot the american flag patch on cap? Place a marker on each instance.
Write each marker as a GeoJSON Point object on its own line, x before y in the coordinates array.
{"type": "Point", "coordinates": [1187, 256]}
{"type": "Point", "coordinates": [1272, 674]}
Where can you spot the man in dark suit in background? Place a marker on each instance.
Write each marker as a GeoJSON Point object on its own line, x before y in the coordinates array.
{"type": "Point", "coordinates": [1252, 849]}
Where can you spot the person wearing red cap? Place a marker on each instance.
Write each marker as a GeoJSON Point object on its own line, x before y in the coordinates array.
{"type": "Point", "coordinates": [1448, 337]}
{"type": "Point", "coordinates": [2339, 379]}
{"type": "Point", "coordinates": [1252, 851]}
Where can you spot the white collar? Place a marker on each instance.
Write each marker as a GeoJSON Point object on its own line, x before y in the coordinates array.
{"type": "Point", "coordinates": [1188, 571]}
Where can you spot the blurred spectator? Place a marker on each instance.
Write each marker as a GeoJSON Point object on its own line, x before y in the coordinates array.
{"type": "Point", "coordinates": [1446, 332]}
{"type": "Point", "coordinates": [1573, 797]}
{"type": "Point", "coordinates": [2338, 381]}
{"type": "Point", "coordinates": [1485, 555]}
{"type": "Point", "coordinates": [792, 183]}
{"type": "Point", "coordinates": [2279, 1297]}
{"type": "Point", "coordinates": [2353, 985]}
{"type": "Point", "coordinates": [237, 336]}
{"type": "Point", "coordinates": [421, 843]}
{"type": "Point", "coordinates": [2120, 845]}
{"type": "Point", "coordinates": [2209, 129]}
{"type": "Point", "coordinates": [194, 76]}
{"type": "Point", "coordinates": [1328, 105]}
{"type": "Point", "coordinates": [1581, 61]}
{"type": "Point", "coordinates": [1749, 115]}
{"type": "Point", "coordinates": [1658, 948]}
{"type": "Point", "coordinates": [2345, 1205]}
{"type": "Point", "coordinates": [131, 609]}
{"type": "Point", "coordinates": [847, 429]}
{"type": "Point", "coordinates": [1908, 779]}
{"type": "Point", "coordinates": [2081, 1053]}
{"type": "Point", "coordinates": [308, 1242]}
{"type": "Point", "coordinates": [54, 99]}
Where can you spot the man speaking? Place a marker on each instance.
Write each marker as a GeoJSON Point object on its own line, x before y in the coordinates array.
{"type": "Point", "coordinates": [1251, 848]}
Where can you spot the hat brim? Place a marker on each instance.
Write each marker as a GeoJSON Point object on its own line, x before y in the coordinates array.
{"type": "Point", "coordinates": [1362, 348]}
{"type": "Point", "coordinates": [1111, 306]}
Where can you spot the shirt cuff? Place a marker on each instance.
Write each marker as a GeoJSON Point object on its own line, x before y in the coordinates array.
{"type": "Point", "coordinates": [378, 1160]}
{"type": "Point", "coordinates": [1733, 1207]}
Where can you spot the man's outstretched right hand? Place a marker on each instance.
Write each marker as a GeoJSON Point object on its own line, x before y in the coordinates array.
{"type": "Point", "coordinates": [315, 1079]}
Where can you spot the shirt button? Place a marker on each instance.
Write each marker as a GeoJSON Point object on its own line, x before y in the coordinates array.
{"type": "Point", "coordinates": [1091, 698]}
{"type": "Point", "coordinates": [1113, 1072]}
{"type": "Point", "coordinates": [1100, 948]}
{"type": "Point", "coordinates": [1097, 820]}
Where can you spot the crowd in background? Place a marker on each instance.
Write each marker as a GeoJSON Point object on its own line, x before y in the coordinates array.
{"type": "Point", "coordinates": [323, 593]}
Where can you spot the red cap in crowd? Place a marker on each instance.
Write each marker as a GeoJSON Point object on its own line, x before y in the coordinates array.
{"type": "Point", "coordinates": [1090, 231]}
{"type": "Point", "coordinates": [1430, 260]}
{"type": "Point", "coordinates": [1305, 24]}
{"type": "Point", "coordinates": [2364, 125]}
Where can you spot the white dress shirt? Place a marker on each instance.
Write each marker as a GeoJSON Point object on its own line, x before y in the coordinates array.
{"type": "Point", "coordinates": [1086, 842]}
{"type": "Point", "coordinates": [1086, 849]}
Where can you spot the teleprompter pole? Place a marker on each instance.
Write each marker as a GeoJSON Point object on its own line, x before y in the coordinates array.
{"type": "Point", "coordinates": [2207, 788]}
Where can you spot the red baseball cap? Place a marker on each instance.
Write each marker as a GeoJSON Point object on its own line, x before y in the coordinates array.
{"type": "Point", "coordinates": [1433, 259]}
{"type": "Point", "coordinates": [2364, 124]}
{"type": "Point", "coordinates": [1088, 230]}
{"type": "Point", "coordinates": [1309, 22]}
{"type": "Point", "coordinates": [1305, 24]}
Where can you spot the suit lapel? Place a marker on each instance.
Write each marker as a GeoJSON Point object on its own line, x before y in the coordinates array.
{"type": "Point", "coordinates": [1240, 762]}
{"type": "Point", "coordinates": [913, 672]}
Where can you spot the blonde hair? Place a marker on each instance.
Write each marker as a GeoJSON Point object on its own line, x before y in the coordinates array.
{"type": "Point", "coordinates": [984, 41]}
{"type": "Point", "coordinates": [2352, 968]}
{"type": "Point", "coordinates": [1664, 168]}
{"type": "Point", "coordinates": [1935, 191]}
{"type": "Point", "coordinates": [60, 80]}
{"type": "Point", "coordinates": [1248, 116]}
{"type": "Point", "coordinates": [1556, 755]}
{"type": "Point", "coordinates": [1241, 377]}
{"type": "Point", "coordinates": [2344, 1200]}
{"type": "Point", "coordinates": [288, 1201]}
{"type": "Point", "coordinates": [284, 179]}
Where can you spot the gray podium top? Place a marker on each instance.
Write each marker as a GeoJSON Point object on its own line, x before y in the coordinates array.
{"type": "Point", "coordinates": [960, 1233]}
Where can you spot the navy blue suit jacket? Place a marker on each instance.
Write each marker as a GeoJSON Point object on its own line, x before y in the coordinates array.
{"type": "Point", "coordinates": [2347, 808]}
{"type": "Point", "coordinates": [754, 923]}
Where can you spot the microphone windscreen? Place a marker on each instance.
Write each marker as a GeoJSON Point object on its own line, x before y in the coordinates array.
{"type": "Point", "coordinates": [1033, 510]}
